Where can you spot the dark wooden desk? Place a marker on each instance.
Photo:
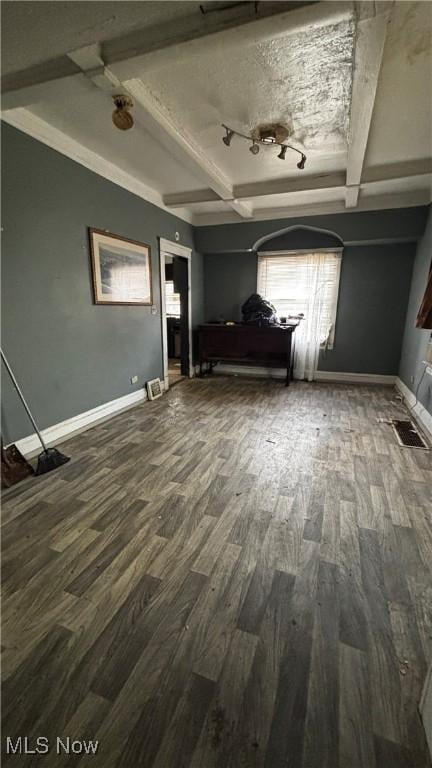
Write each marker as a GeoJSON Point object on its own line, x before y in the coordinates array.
{"type": "Point", "coordinates": [247, 344]}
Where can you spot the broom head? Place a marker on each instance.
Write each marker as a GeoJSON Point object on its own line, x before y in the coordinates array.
{"type": "Point", "coordinates": [49, 460]}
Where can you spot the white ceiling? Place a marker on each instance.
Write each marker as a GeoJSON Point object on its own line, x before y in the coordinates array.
{"type": "Point", "coordinates": [401, 128]}
{"type": "Point", "coordinates": [352, 82]}
{"type": "Point", "coordinates": [83, 112]}
{"type": "Point", "coordinates": [301, 79]}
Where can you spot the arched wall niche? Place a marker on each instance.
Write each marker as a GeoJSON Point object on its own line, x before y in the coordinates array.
{"type": "Point", "coordinates": [298, 236]}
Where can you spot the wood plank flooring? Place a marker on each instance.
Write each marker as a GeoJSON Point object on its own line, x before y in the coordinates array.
{"type": "Point", "coordinates": [235, 575]}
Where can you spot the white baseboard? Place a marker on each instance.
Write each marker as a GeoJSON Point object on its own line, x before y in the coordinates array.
{"type": "Point", "coordinates": [356, 378]}
{"type": "Point", "coordinates": [280, 373]}
{"type": "Point", "coordinates": [419, 412]}
{"type": "Point", "coordinates": [65, 429]}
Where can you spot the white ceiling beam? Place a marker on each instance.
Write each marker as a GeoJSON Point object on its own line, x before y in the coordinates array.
{"type": "Point", "coordinates": [149, 115]}
{"type": "Point", "coordinates": [17, 88]}
{"type": "Point", "coordinates": [90, 61]}
{"type": "Point", "coordinates": [82, 61]}
{"type": "Point", "coordinates": [260, 189]}
{"type": "Point", "coordinates": [393, 171]}
{"type": "Point", "coordinates": [370, 203]}
{"type": "Point", "coordinates": [139, 41]}
{"type": "Point", "coordinates": [310, 183]}
{"type": "Point", "coordinates": [168, 133]}
{"type": "Point", "coordinates": [179, 199]}
{"type": "Point", "coordinates": [369, 49]}
{"type": "Point", "coordinates": [352, 196]}
{"type": "Point", "coordinates": [181, 146]}
{"type": "Point", "coordinates": [194, 31]}
{"type": "Point", "coordinates": [87, 57]}
{"type": "Point", "coordinates": [32, 94]}
{"type": "Point", "coordinates": [298, 183]}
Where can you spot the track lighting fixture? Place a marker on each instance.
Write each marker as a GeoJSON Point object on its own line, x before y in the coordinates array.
{"type": "Point", "coordinates": [301, 163]}
{"type": "Point", "coordinates": [121, 116]}
{"type": "Point", "coordinates": [227, 139]}
{"type": "Point", "coordinates": [272, 135]}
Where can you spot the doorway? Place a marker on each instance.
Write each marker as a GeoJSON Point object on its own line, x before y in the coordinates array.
{"type": "Point", "coordinates": [175, 274]}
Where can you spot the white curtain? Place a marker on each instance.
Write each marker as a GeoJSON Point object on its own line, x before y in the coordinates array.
{"type": "Point", "coordinates": [298, 282]}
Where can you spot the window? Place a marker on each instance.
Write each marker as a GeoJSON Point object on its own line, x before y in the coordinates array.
{"type": "Point", "coordinates": [296, 282]}
{"type": "Point", "coordinates": [172, 300]}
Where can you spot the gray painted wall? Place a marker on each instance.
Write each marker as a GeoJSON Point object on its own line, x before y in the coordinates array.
{"type": "Point", "coordinates": [373, 297]}
{"type": "Point", "coordinates": [374, 284]}
{"type": "Point", "coordinates": [68, 354]}
{"type": "Point", "coordinates": [415, 340]}
{"type": "Point", "coordinates": [396, 224]}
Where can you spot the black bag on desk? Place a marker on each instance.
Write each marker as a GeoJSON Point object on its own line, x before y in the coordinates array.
{"type": "Point", "coordinates": [258, 311]}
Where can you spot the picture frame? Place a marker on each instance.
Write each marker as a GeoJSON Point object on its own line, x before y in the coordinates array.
{"type": "Point", "coordinates": [121, 269]}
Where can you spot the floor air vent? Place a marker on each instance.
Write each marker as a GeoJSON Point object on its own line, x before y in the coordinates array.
{"type": "Point", "coordinates": [408, 436]}
{"type": "Point", "coordinates": [154, 389]}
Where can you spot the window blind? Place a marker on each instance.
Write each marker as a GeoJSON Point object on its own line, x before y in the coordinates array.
{"type": "Point", "coordinates": [172, 300]}
{"type": "Point", "coordinates": [296, 282]}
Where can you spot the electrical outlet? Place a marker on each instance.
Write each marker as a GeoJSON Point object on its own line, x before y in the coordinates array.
{"type": "Point", "coordinates": [134, 379]}
{"type": "Point", "coordinates": [154, 309]}
{"type": "Point", "coordinates": [412, 379]}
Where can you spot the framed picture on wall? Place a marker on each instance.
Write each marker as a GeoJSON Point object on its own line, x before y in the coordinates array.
{"type": "Point", "coordinates": [121, 269]}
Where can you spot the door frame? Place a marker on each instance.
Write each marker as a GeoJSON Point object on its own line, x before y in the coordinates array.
{"type": "Point", "coordinates": [169, 248]}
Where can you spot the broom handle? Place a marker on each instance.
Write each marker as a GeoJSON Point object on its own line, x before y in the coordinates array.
{"type": "Point", "coordinates": [21, 397]}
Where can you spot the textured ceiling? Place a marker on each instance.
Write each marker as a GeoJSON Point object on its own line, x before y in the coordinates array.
{"type": "Point", "coordinates": [301, 79]}
{"type": "Point", "coordinates": [402, 119]}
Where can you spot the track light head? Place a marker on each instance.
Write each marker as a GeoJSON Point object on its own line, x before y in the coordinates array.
{"type": "Point", "coordinates": [254, 149]}
{"type": "Point", "coordinates": [301, 163]}
{"type": "Point", "coordinates": [282, 153]}
{"type": "Point", "coordinates": [227, 139]}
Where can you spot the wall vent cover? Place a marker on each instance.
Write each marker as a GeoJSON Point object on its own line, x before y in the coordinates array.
{"type": "Point", "coordinates": [154, 389]}
{"type": "Point", "coordinates": [408, 436]}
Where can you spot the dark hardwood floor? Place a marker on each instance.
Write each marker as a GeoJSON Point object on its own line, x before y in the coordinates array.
{"type": "Point", "coordinates": [235, 575]}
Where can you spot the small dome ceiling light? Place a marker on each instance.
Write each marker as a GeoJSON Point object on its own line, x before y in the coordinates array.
{"type": "Point", "coordinates": [121, 116]}
{"type": "Point", "coordinates": [269, 135]}
{"type": "Point", "coordinates": [227, 139]}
